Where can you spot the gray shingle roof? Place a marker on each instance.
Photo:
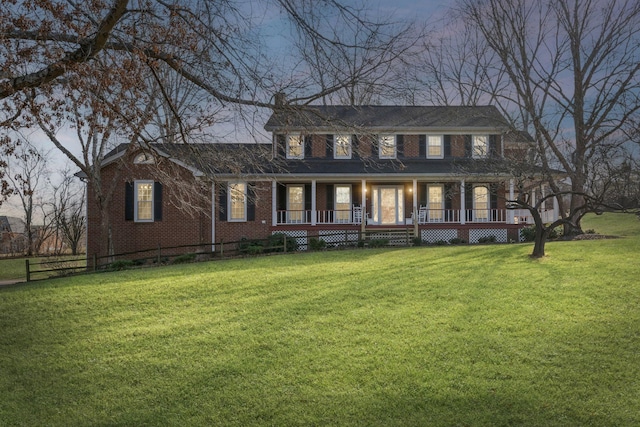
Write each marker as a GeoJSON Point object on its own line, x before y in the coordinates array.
{"type": "Point", "coordinates": [376, 117]}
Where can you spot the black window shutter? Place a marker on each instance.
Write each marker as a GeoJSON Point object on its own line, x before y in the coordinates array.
{"type": "Point", "coordinates": [251, 202]}
{"type": "Point", "coordinates": [157, 201]}
{"type": "Point", "coordinates": [422, 194]}
{"type": "Point", "coordinates": [356, 194]}
{"type": "Point", "coordinates": [422, 141]}
{"type": "Point", "coordinates": [468, 146]}
{"type": "Point", "coordinates": [399, 146]}
{"type": "Point", "coordinates": [493, 145]}
{"type": "Point", "coordinates": [468, 200]}
{"type": "Point", "coordinates": [222, 202]}
{"type": "Point", "coordinates": [493, 200]}
{"type": "Point", "coordinates": [281, 146]}
{"type": "Point", "coordinates": [355, 142]}
{"type": "Point", "coordinates": [128, 201]}
{"type": "Point", "coordinates": [329, 189]}
{"type": "Point", "coordinates": [448, 196]}
{"type": "Point", "coordinates": [308, 142]}
{"type": "Point", "coordinates": [282, 197]}
{"type": "Point", "coordinates": [447, 145]}
{"type": "Point", "coordinates": [329, 143]}
{"type": "Point", "coordinates": [307, 197]}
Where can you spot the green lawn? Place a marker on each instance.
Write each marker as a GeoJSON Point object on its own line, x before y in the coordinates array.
{"type": "Point", "coordinates": [437, 336]}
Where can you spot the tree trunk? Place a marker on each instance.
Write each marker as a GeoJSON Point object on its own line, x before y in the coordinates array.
{"type": "Point", "coordinates": [539, 242]}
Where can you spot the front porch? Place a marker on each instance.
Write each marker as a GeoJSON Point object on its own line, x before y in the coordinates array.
{"type": "Point", "coordinates": [386, 204]}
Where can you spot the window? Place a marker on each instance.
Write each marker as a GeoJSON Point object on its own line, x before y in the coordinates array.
{"type": "Point", "coordinates": [295, 147]}
{"type": "Point", "coordinates": [143, 159]}
{"type": "Point", "coordinates": [481, 203]}
{"type": "Point", "coordinates": [237, 203]}
{"type": "Point", "coordinates": [435, 201]}
{"type": "Point", "coordinates": [435, 147]}
{"type": "Point", "coordinates": [342, 146]}
{"type": "Point", "coordinates": [343, 203]}
{"type": "Point", "coordinates": [480, 146]}
{"type": "Point", "coordinates": [144, 201]}
{"type": "Point", "coordinates": [387, 146]}
{"type": "Point", "coordinates": [295, 204]}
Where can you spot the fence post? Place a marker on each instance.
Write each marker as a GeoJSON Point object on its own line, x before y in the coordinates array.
{"type": "Point", "coordinates": [95, 262]}
{"type": "Point", "coordinates": [26, 263]}
{"type": "Point", "coordinates": [159, 253]}
{"type": "Point", "coordinates": [221, 248]}
{"type": "Point", "coordinates": [346, 238]}
{"type": "Point", "coordinates": [407, 233]}
{"type": "Point", "coordinates": [284, 237]}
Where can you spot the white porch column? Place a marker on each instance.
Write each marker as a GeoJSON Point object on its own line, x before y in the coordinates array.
{"type": "Point", "coordinates": [313, 202]}
{"type": "Point", "coordinates": [556, 209]}
{"type": "Point", "coordinates": [415, 195]}
{"type": "Point", "coordinates": [363, 201]}
{"type": "Point", "coordinates": [543, 206]}
{"type": "Point", "coordinates": [463, 208]}
{"type": "Point", "coordinates": [213, 217]}
{"type": "Point", "coordinates": [510, 212]}
{"type": "Point", "coordinates": [274, 205]}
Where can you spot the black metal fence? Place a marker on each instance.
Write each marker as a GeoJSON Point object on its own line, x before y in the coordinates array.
{"type": "Point", "coordinates": [276, 243]}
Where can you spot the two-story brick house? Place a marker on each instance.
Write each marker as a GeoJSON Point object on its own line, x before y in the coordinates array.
{"type": "Point", "coordinates": [333, 172]}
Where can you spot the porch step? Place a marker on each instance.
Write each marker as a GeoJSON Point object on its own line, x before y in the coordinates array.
{"type": "Point", "coordinates": [396, 236]}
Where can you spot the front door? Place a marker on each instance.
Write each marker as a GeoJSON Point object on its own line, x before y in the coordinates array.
{"type": "Point", "coordinates": [388, 205]}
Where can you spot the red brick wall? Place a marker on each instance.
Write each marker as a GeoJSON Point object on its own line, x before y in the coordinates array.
{"type": "Point", "coordinates": [176, 227]}
{"type": "Point", "coordinates": [457, 145]}
{"type": "Point", "coordinates": [257, 229]}
{"type": "Point", "coordinates": [319, 146]}
{"type": "Point", "coordinates": [411, 146]}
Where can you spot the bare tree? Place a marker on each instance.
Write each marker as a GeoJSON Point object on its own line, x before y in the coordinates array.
{"type": "Point", "coordinates": [68, 208]}
{"type": "Point", "coordinates": [371, 60]}
{"type": "Point", "coordinates": [28, 172]}
{"type": "Point", "coordinates": [574, 68]}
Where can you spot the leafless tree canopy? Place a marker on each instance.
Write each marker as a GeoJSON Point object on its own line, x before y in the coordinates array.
{"type": "Point", "coordinates": [567, 71]}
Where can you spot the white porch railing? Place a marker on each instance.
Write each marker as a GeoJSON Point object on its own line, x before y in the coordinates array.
{"type": "Point", "coordinates": [293, 217]}
{"type": "Point", "coordinates": [334, 216]}
{"type": "Point", "coordinates": [424, 216]}
{"type": "Point", "coordinates": [523, 216]}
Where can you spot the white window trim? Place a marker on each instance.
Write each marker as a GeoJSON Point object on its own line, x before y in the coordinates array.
{"type": "Point", "coordinates": [135, 200]}
{"type": "Point", "coordinates": [395, 146]}
{"type": "Point", "coordinates": [441, 156]}
{"type": "Point", "coordinates": [474, 153]}
{"type": "Point", "coordinates": [486, 212]}
{"type": "Point", "coordinates": [350, 203]}
{"type": "Point", "coordinates": [244, 217]}
{"type": "Point", "coordinates": [301, 156]}
{"type": "Point", "coordinates": [292, 216]}
{"type": "Point", "coordinates": [335, 146]}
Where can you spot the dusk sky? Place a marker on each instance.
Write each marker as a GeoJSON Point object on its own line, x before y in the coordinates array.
{"type": "Point", "coordinates": [421, 11]}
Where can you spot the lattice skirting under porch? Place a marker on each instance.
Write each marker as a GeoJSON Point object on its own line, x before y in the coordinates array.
{"type": "Point", "coordinates": [500, 234]}
{"type": "Point", "coordinates": [299, 235]}
{"type": "Point", "coordinates": [432, 236]}
{"type": "Point", "coordinates": [336, 238]}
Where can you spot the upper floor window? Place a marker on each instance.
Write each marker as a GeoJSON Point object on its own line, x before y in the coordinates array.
{"type": "Point", "coordinates": [387, 146]}
{"type": "Point", "coordinates": [435, 148]}
{"type": "Point", "coordinates": [237, 202]}
{"type": "Point", "coordinates": [295, 147]}
{"type": "Point", "coordinates": [480, 146]}
{"type": "Point", "coordinates": [342, 146]}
